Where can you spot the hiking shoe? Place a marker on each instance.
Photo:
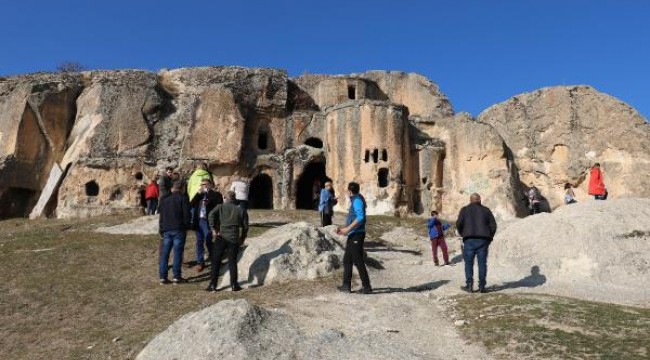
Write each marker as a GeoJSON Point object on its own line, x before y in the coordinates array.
{"type": "Point", "coordinates": [164, 281]}
{"type": "Point", "coordinates": [365, 291]}
{"type": "Point", "coordinates": [436, 264]}
{"type": "Point", "coordinates": [448, 264]}
{"type": "Point", "coordinates": [344, 289]}
{"type": "Point", "coordinates": [200, 267]}
{"type": "Point", "coordinates": [467, 288]}
{"type": "Point", "coordinates": [482, 290]}
{"type": "Point", "coordinates": [178, 280]}
{"type": "Point", "coordinates": [211, 288]}
{"type": "Point", "coordinates": [235, 287]}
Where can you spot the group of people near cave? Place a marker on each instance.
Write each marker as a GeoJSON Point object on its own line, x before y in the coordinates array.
{"type": "Point", "coordinates": [221, 224]}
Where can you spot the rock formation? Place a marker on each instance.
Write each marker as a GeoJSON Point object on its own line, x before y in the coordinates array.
{"type": "Point", "coordinates": [86, 144]}
{"type": "Point", "coordinates": [556, 134]}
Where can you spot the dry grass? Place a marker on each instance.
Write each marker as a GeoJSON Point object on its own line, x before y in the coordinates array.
{"type": "Point", "coordinates": [68, 292]}
{"type": "Point", "coordinates": [548, 327]}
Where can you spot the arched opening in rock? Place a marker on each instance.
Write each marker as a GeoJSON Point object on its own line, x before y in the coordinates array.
{"type": "Point", "coordinates": [439, 170]}
{"type": "Point", "coordinates": [116, 195]}
{"type": "Point", "coordinates": [366, 157]}
{"type": "Point", "coordinates": [375, 156]}
{"type": "Point", "coordinates": [139, 176]}
{"type": "Point", "coordinates": [309, 184]}
{"type": "Point", "coordinates": [314, 142]}
{"type": "Point", "coordinates": [17, 202]}
{"type": "Point", "coordinates": [384, 155]}
{"type": "Point", "coordinates": [260, 195]}
{"type": "Point", "coordinates": [352, 93]}
{"type": "Point", "coordinates": [92, 189]}
{"type": "Point", "coordinates": [382, 177]}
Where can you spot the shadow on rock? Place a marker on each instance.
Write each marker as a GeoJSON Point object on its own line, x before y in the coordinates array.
{"type": "Point", "coordinates": [260, 267]}
{"type": "Point", "coordinates": [533, 280]}
{"type": "Point", "coordinates": [418, 288]}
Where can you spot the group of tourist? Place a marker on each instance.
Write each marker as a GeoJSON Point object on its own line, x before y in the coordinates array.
{"type": "Point", "coordinates": [221, 224]}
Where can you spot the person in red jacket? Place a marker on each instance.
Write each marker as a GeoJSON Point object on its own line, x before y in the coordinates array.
{"type": "Point", "coordinates": [596, 184]}
{"type": "Point", "coordinates": [151, 195]}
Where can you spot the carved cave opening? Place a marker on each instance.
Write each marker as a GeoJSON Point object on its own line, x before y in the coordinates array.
{"type": "Point", "coordinates": [375, 156]}
{"type": "Point", "coordinates": [366, 157]}
{"type": "Point", "coordinates": [263, 140]}
{"type": "Point", "coordinates": [382, 177]}
{"type": "Point", "coordinates": [92, 189]}
{"type": "Point", "coordinates": [384, 155]}
{"type": "Point", "coordinates": [314, 142]}
{"type": "Point", "coordinates": [260, 195]}
{"type": "Point", "coordinates": [306, 192]}
{"type": "Point", "coordinates": [352, 93]}
{"type": "Point", "coordinates": [17, 202]}
{"type": "Point", "coordinates": [139, 176]}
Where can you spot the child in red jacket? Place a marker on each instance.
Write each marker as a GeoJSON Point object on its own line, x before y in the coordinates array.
{"type": "Point", "coordinates": [437, 237]}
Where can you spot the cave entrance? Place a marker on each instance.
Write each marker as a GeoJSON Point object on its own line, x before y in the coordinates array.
{"type": "Point", "coordinates": [17, 202]}
{"type": "Point", "coordinates": [309, 185]}
{"type": "Point", "coordinates": [260, 195]}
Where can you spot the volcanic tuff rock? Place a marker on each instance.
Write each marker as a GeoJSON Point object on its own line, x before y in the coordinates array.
{"type": "Point", "coordinates": [556, 134]}
{"type": "Point", "coordinates": [93, 140]}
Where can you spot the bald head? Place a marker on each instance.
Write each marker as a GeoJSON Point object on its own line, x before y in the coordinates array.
{"type": "Point", "coordinates": [475, 198]}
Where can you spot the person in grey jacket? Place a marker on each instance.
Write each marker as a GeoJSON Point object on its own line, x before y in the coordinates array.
{"type": "Point", "coordinates": [229, 228]}
{"type": "Point", "coordinates": [477, 226]}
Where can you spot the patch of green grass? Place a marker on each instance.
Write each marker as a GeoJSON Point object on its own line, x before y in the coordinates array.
{"type": "Point", "coordinates": [540, 326]}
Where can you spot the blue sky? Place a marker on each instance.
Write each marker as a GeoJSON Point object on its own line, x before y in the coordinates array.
{"type": "Point", "coordinates": [479, 52]}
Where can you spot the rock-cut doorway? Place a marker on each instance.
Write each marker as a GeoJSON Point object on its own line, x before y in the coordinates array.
{"type": "Point", "coordinates": [309, 184]}
{"type": "Point", "coordinates": [260, 195]}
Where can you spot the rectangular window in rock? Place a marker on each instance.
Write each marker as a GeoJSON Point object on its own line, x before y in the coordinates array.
{"type": "Point", "coordinates": [366, 157]}
{"type": "Point", "coordinates": [375, 156]}
{"type": "Point", "coordinates": [384, 155]}
{"type": "Point", "coordinates": [352, 94]}
{"type": "Point", "coordinates": [263, 140]}
{"type": "Point", "coordinates": [382, 177]}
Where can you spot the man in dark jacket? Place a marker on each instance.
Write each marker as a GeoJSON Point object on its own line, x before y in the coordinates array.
{"type": "Point", "coordinates": [165, 183]}
{"type": "Point", "coordinates": [202, 204]}
{"type": "Point", "coordinates": [477, 226]}
{"type": "Point", "coordinates": [174, 221]}
{"type": "Point", "coordinates": [229, 228]}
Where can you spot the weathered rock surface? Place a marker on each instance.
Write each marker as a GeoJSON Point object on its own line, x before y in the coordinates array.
{"type": "Point", "coordinates": [556, 134]}
{"type": "Point", "coordinates": [596, 250]}
{"type": "Point", "coordinates": [296, 251]}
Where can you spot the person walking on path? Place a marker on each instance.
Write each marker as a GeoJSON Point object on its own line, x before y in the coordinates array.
{"type": "Point", "coordinates": [229, 228]}
{"type": "Point", "coordinates": [326, 204]}
{"type": "Point", "coordinates": [437, 237]}
{"type": "Point", "coordinates": [596, 183]}
{"type": "Point", "coordinates": [194, 183]}
{"type": "Point", "coordinates": [477, 226]}
{"type": "Point", "coordinates": [202, 204]}
{"type": "Point", "coordinates": [174, 222]}
{"type": "Point", "coordinates": [569, 195]}
{"type": "Point", "coordinates": [165, 183]}
{"type": "Point", "coordinates": [355, 229]}
{"type": "Point", "coordinates": [151, 194]}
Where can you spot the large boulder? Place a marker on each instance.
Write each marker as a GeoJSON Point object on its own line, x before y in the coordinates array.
{"type": "Point", "coordinates": [556, 134]}
{"type": "Point", "coordinates": [593, 249]}
{"type": "Point", "coordinates": [296, 251]}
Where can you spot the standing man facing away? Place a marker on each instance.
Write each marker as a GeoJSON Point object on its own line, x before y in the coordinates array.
{"type": "Point", "coordinates": [174, 221]}
{"type": "Point", "coordinates": [240, 187]}
{"type": "Point", "coordinates": [202, 204]}
{"type": "Point", "coordinates": [355, 229]}
{"type": "Point", "coordinates": [229, 228]}
{"type": "Point", "coordinates": [477, 226]}
{"type": "Point", "coordinates": [326, 204]}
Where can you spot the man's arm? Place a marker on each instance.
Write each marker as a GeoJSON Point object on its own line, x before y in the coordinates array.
{"type": "Point", "coordinates": [243, 223]}
{"type": "Point", "coordinates": [360, 216]}
{"type": "Point", "coordinates": [213, 219]}
{"type": "Point", "coordinates": [460, 223]}
{"type": "Point", "coordinates": [185, 206]}
{"type": "Point", "coordinates": [493, 224]}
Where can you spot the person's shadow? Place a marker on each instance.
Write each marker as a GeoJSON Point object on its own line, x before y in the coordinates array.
{"type": "Point", "coordinates": [535, 279]}
{"type": "Point", "coordinates": [418, 288]}
{"type": "Point", "coordinates": [260, 267]}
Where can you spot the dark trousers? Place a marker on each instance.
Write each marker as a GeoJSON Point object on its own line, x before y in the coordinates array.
{"type": "Point", "coordinates": [243, 204]}
{"type": "Point", "coordinates": [220, 246]}
{"type": "Point", "coordinates": [152, 206]}
{"type": "Point", "coordinates": [325, 219]}
{"type": "Point", "coordinates": [354, 255]}
{"type": "Point", "coordinates": [475, 248]}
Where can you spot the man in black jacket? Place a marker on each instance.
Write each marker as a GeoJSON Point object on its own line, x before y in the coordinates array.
{"type": "Point", "coordinates": [174, 222]}
{"type": "Point", "coordinates": [202, 204]}
{"type": "Point", "coordinates": [477, 226]}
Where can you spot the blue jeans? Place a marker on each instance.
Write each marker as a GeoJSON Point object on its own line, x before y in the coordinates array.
{"type": "Point", "coordinates": [175, 239]}
{"type": "Point", "coordinates": [475, 248]}
{"type": "Point", "coordinates": [203, 235]}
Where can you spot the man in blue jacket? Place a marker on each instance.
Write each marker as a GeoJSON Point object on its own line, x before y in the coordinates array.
{"type": "Point", "coordinates": [355, 229]}
{"type": "Point", "coordinates": [477, 226]}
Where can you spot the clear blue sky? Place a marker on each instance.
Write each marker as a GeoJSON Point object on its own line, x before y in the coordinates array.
{"type": "Point", "coordinates": [479, 52]}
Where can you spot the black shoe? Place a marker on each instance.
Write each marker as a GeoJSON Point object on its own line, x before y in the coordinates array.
{"type": "Point", "coordinates": [164, 281]}
{"type": "Point", "coordinates": [469, 288]}
{"type": "Point", "coordinates": [482, 290]}
{"type": "Point", "coordinates": [235, 287]}
{"type": "Point", "coordinates": [211, 288]}
{"type": "Point", "coordinates": [366, 291]}
{"type": "Point", "coordinates": [344, 289]}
